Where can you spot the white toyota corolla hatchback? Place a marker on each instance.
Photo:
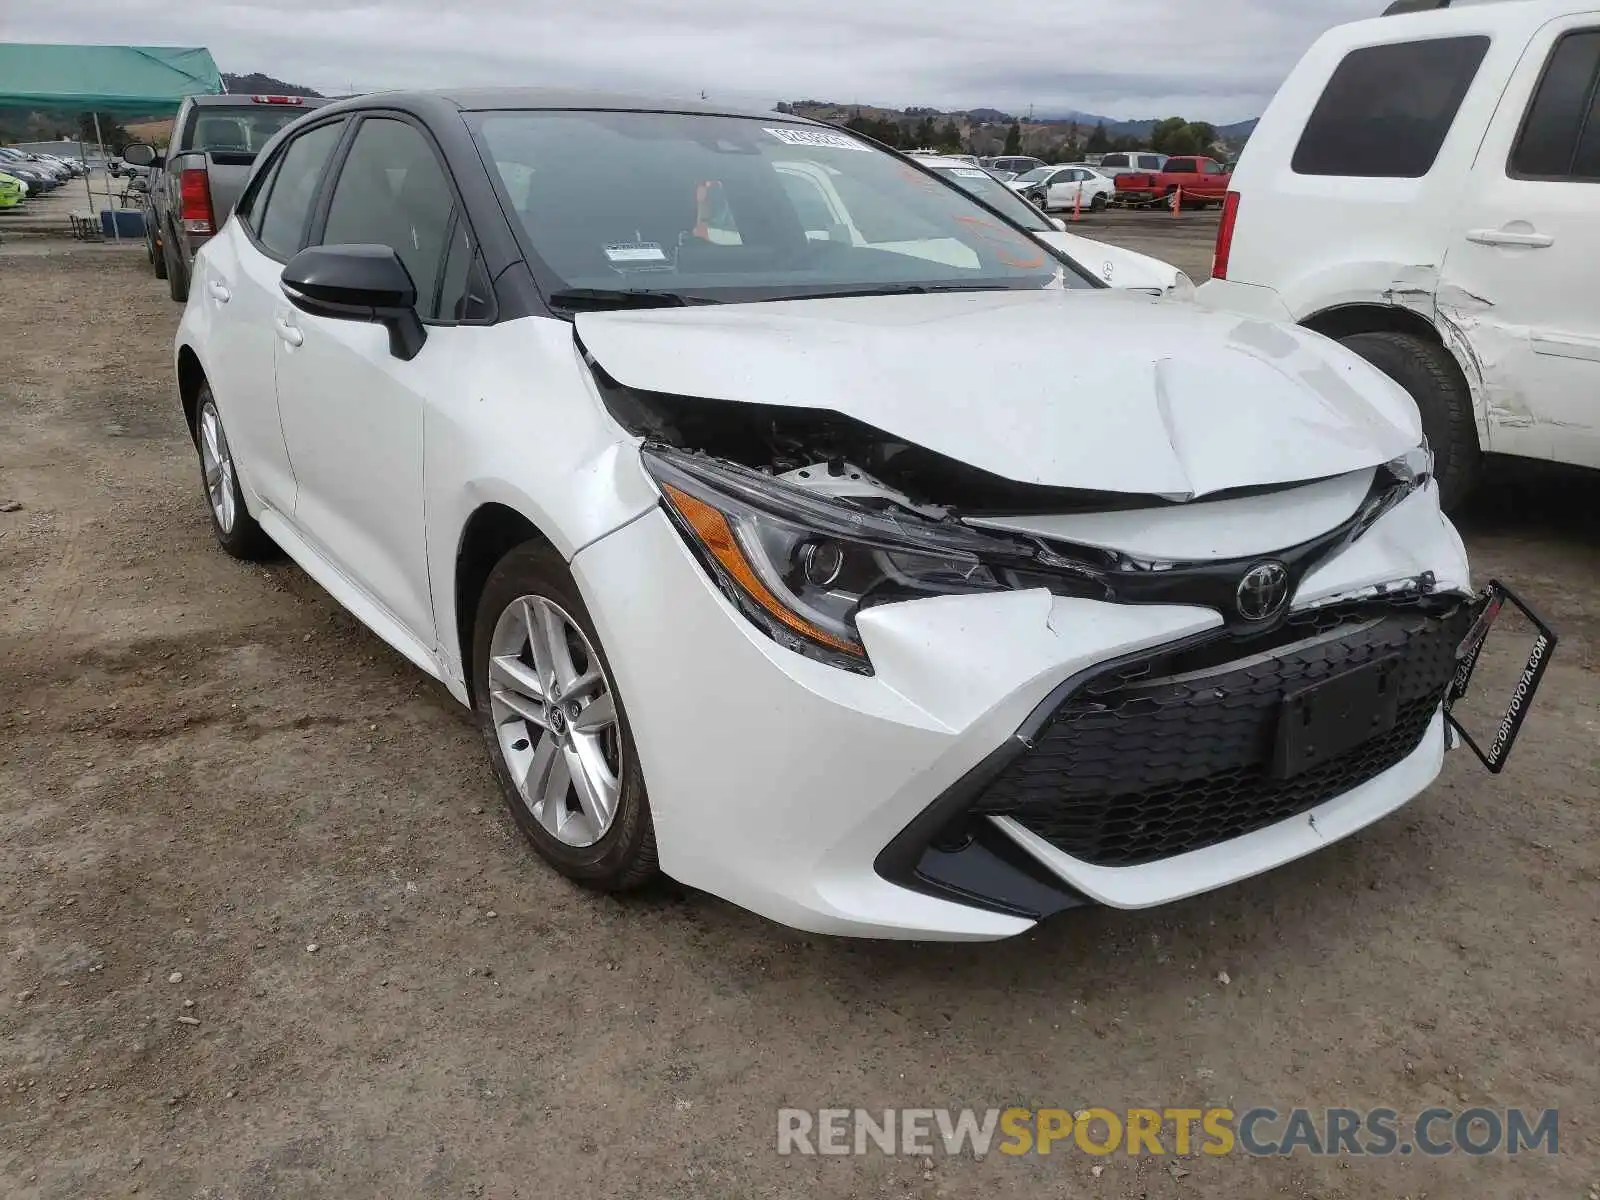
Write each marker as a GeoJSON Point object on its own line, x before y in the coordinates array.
{"type": "Point", "coordinates": [703, 495]}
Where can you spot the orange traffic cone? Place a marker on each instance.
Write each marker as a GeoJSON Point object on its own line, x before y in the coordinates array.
{"type": "Point", "coordinates": [1177, 201]}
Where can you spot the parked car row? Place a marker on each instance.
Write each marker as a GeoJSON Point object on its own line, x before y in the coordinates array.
{"type": "Point", "coordinates": [23, 174]}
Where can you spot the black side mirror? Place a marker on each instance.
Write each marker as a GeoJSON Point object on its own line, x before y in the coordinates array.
{"type": "Point", "coordinates": [358, 283]}
{"type": "Point", "coordinates": [139, 154]}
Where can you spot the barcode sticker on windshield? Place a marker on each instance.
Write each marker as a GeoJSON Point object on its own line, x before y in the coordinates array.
{"type": "Point", "coordinates": [969, 172]}
{"type": "Point", "coordinates": [635, 252]}
{"type": "Point", "coordinates": [816, 137]}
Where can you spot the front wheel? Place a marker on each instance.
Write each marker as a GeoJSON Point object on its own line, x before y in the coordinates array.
{"type": "Point", "coordinates": [557, 734]}
{"type": "Point", "coordinates": [1433, 378]}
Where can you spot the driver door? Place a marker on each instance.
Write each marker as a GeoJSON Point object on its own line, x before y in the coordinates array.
{"type": "Point", "coordinates": [353, 412]}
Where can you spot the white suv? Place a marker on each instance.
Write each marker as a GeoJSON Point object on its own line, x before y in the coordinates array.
{"type": "Point", "coordinates": [1448, 163]}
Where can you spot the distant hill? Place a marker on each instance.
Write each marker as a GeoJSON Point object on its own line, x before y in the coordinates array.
{"type": "Point", "coordinates": [257, 84]}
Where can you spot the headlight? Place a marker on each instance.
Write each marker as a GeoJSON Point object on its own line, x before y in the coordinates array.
{"type": "Point", "coordinates": [1414, 467]}
{"type": "Point", "coordinates": [802, 566]}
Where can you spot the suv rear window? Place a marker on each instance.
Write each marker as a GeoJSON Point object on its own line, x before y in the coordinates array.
{"type": "Point", "coordinates": [1114, 160]}
{"type": "Point", "coordinates": [1560, 137]}
{"type": "Point", "coordinates": [1387, 109]}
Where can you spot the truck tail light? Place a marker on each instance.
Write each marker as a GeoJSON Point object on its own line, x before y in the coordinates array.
{"type": "Point", "coordinates": [277, 99]}
{"type": "Point", "coordinates": [195, 189]}
{"type": "Point", "coordinates": [1230, 214]}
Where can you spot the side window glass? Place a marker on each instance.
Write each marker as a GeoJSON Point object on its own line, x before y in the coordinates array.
{"type": "Point", "coordinates": [1560, 136]}
{"type": "Point", "coordinates": [294, 183]}
{"type": "Point", "coordinates": [1387, 109]}
{"type": "Point", "coordinates": [464, 291]}
{"type": "Point", "coordinates": [256, 197]}
{"type": "Point", "coordinates": [1114, 160]}
{"type": "Point", "coordinates": [392, 192]}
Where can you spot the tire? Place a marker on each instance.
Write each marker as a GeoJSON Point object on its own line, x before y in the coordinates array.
{"type": "Point", "coordinates": [1098, 204]}
{"type": "Point", "coordinates": [1428, 372]}
{"type": "Point", "coordinates": [612, 855]}
{"type": "Point", "coordinates": [157, 249]}
{"type": "Point", "coordinates": [177, 277]}
{"type": "Point", "coordinates": [235, 529]}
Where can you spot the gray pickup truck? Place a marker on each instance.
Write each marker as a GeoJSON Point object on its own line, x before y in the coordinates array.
{"type": "Point", "coordinates": [215, 140]}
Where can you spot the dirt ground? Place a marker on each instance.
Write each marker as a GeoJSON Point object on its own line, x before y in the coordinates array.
{"type": "Point", "coordinates": [208, 769]}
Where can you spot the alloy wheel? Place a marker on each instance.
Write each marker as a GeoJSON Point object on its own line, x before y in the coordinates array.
{"type": "Point", "coordinates": [555, 719]}
{"type": "Point", "coordinates": [217, 463]}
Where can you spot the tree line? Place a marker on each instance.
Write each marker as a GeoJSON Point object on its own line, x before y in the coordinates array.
{"type": "Point", "coordinates": [921, 128]}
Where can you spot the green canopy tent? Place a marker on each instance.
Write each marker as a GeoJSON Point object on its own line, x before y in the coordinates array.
{"type": "Point", "coordinates": [126, 80]}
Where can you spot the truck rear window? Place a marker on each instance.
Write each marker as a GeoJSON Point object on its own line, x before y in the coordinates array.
{"type": "Point", "coordinates": [237, 130]}
{"type": "Point", "coordinates": [1387, 109]}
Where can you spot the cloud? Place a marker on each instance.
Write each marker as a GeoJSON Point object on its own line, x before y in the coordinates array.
{"type": "Point", "coordinates": [1218, 61]}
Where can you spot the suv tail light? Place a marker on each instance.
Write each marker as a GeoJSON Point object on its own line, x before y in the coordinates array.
{"type": "Point", "coordinates": [1230, 214]}
{"type": "Point", "coordinates": [277, 99]}
{"type": "Point", "coordinates": [195, 189]}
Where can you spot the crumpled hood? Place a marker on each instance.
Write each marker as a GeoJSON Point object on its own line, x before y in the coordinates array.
{"type": "Point", "coordinates": [1101, 390]}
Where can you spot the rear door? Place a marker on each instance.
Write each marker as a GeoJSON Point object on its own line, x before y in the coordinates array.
{"type": "Point", "coordinates": [1519, 274]}
{"type": "Point", "coordinates": [1065, 188]}
{"type": "Point", "coordinates": [353, 414]}
{"type": "Point", "coordinates": [236, 286]}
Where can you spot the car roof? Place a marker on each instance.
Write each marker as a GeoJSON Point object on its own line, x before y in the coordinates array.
{"type": "Point", "coordinates": [1469, 17]}
{"type": "Point", "coordinates": [944, 160]}
{"type": "Point", "coordinates": [503, 99]}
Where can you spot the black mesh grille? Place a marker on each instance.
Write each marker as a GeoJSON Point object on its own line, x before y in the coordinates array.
{"type": "Point", "coordinates": [1175, 752]}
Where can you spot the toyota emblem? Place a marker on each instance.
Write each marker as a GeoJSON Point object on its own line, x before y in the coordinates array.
{"type": "Point", "coordinates": [1263, 591]}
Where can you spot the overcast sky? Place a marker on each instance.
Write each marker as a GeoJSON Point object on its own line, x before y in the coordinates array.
{"type": "Point", "coordinates": [1218, 60]}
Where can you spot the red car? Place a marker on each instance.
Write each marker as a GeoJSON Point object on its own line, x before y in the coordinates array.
{"type": "Point", "coordinates": [1202, 180]}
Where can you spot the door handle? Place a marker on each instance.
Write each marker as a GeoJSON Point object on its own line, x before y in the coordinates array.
{"type": "Point", "coordinates": [287, 331]}
{"type": "Point", "coordinates": [219, 291]}
{"type": "Point", "coordinates": [1506, 237]}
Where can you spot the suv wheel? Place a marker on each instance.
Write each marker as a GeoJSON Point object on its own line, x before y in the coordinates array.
{"type": "Point", "coordinates": [556, 732]}
{"type": "Point", "coordinates": [1427, 370]}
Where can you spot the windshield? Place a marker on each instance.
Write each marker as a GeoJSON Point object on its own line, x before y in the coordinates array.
{"type": "Point", "coordinates": [1033, 176]}
{"type": "Point", "coordinates": [995, 194]}
{"type": "Point", "coordinates": [733, 208]}
{"type": "Point", "coordinates": [239, 130]}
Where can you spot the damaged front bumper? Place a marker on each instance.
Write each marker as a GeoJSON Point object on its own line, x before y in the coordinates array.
{"type": "Point", "coordinates": [864, 804]}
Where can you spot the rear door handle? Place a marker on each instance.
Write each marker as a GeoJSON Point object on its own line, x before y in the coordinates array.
{"type": "Point", "coordinates": [287, 331]}
{"type": "Point", "coordinates": [219, 291]}
{"type": "Point", "coordinates": [1506, 237]}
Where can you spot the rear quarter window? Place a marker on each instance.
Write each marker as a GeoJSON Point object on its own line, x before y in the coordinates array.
{"type": "Point", "coordinates": [1387, 109]}
{"type": "Point", "coordinates": [1560, 135]}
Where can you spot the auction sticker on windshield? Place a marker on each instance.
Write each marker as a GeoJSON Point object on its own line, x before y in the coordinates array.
{"type": "Point", "coordinates": [969, 172]}
{"type": "Point", "coordinates": [815, 137]}
{"type": "Point", "coordinates": [635, 252]}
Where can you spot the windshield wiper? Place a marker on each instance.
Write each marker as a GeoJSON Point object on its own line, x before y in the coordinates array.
{"type": "Point", "coordinates": [602, 298]}
{"type": "Point", "coordinates": [900, 289]}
